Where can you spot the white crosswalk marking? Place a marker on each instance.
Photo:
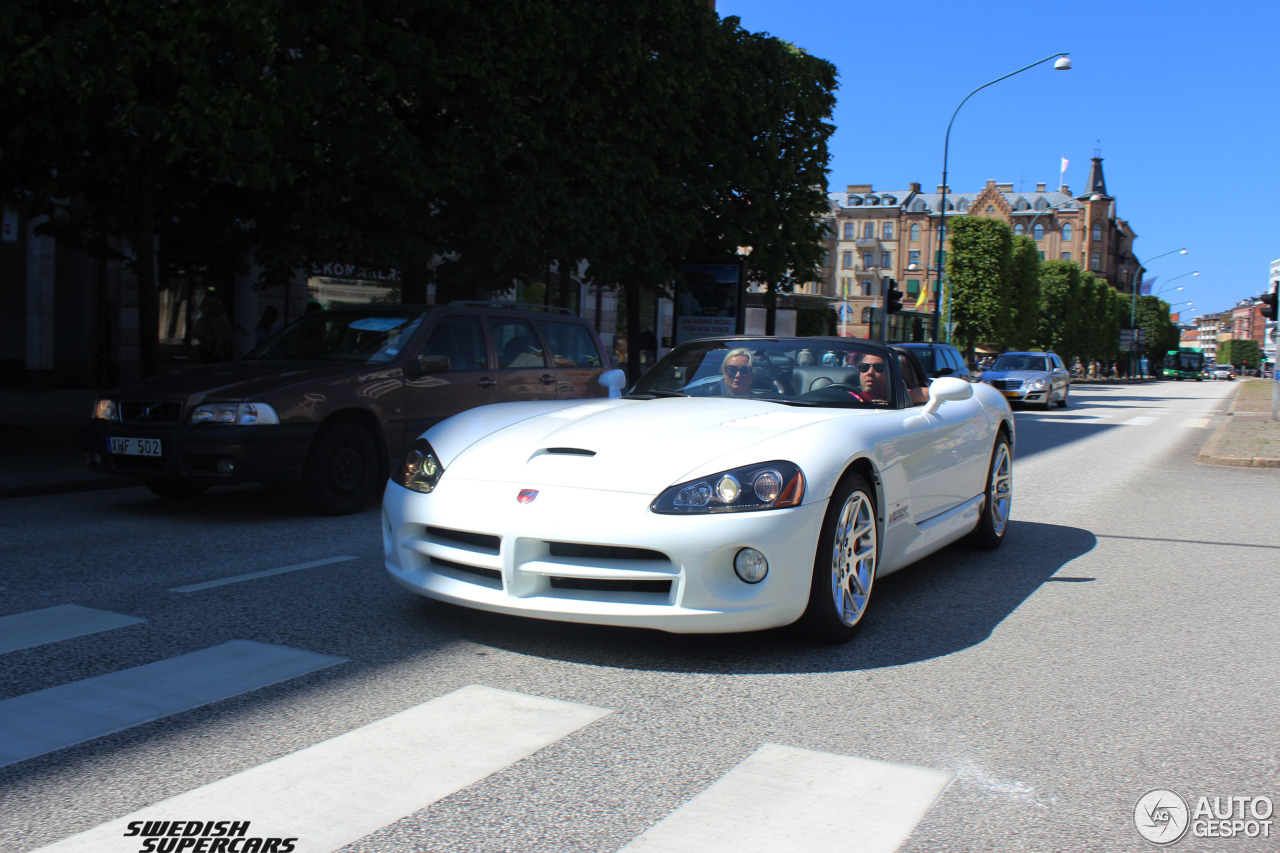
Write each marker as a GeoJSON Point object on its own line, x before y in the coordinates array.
{"type": "Point", "coordinates": [1195, 422]}
{"type": "Point", "coordinates": [52, 624]}
{"type": "Point", "coordinates": [1139, 421]}
{"type": "Point", "coordinates": [265, 573]}
{"type": "Point", "coordinates": [62, 716]}
{"type": "Point", "coordinates": [783, 799]}
{"type": "Point", "coordinates": [338, 791]}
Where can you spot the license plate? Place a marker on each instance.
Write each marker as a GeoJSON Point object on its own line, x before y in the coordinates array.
{"type": "Point", "coordinates": [135, 446]}
{"type": "Point", "coordinates": [1012, 395]}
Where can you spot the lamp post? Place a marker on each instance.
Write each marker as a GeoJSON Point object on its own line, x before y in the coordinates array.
{"type": "Point", "coordinates": [1172, 280]}
{"type": "Point", "coordinates": [914, 267]}
{"type": "Point", "coordinates": [1063, 63]}
{"type": "Point", "coordinates": [1133, 306]}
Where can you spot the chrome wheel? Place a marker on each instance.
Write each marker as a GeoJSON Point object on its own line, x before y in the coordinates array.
{"type": "Point", "coordinates": [853, 558]}
{"type": "Point", "coordinates": [1000, 488]}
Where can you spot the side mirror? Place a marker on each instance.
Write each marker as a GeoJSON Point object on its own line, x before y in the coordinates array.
{"type": "Point", "coordinates": [614, 380]}
{"type": "Point", "coordinates": [425, 364]}
{"type": "Point", "coordinates": [947, 389]}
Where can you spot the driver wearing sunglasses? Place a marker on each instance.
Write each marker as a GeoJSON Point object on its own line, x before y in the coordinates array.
{"type": "Point", "coordinates": [874, 375]}
{"type": "Point", "coordinates": [738, 370]}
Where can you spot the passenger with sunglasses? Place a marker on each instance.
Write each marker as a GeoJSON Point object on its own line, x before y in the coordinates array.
{"type": "Point", "coordinates": [738, 370]}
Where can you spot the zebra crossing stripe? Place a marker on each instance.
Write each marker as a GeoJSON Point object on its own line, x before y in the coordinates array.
{"type": "Point", "coordinates": [328, 795]}
{"type": "Point", "coordinates": [52, 624]}
{"type": "Point", "coordinates": [62, 716]}
{"type": "Point", "coordinates": [788, 800]}
{"type": "Point", "coordinates": [265, 573]}
{"type": "Point", "coordinates": [1195, 422]}
{"type": "Point", "coordinates": [1143, 420]}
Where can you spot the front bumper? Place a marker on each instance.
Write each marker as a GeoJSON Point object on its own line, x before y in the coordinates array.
{"type": "Point", "coordinates": [209, 454]}
{"type": "Point", "coordinates": [599, 557]}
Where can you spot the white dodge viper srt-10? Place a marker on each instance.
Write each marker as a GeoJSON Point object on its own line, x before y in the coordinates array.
{"type": "Point", "coordinates": [743, 483]}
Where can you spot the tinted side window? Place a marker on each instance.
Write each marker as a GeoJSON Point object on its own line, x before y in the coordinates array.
{"type": "Point", "coordinates": [515, 342]}
{"type": "Point", "coordinates": [571, 344]}
{"type": "Point", "coordinates": [956, 360]}
{"type": "Point", "coordinates": [461, 338]}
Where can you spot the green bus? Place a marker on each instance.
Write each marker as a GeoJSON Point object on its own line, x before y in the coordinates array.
{"type": "Point", "coordinates": [1183, 364]}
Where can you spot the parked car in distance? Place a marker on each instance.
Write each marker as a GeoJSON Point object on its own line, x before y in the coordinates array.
{"type": "Point", "coordinates": [735, 487]}
{"type": "Point", "coordinates": [939, 359]}
{"type": "Point", "coordinates": [328, 401]}
{"type": "Point", "coordinates": [1034, 378]}
{"type": "Point", "coordinates": [1222, 371]}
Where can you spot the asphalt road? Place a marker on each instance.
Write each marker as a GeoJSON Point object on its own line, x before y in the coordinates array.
{"type": "Point", "coordinates": [1122, 640]}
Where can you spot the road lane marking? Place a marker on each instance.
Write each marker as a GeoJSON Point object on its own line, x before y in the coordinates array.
{"type": "Point", "coordinates": [52, 624]}
{"type": "Point", "coordinates": [338, 791]}
{"type": "Point", "coordinates": [1139, 421]}
{"type": "Point", "coordinates": [783, 799]}
{"type": "Point", "coordinates": [265, 573]}
{"type": "Point", "coordinates": [1195, 422]}
{"type": "Point", "coordinates": [58, 717]}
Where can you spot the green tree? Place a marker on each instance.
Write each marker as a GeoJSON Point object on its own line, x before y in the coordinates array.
{"type": "Point", "coordinates": [1059, 294]}
{"type": "Point", "coordinates": [1025, 281]}
{"type": "Point", "coordinates": [1240, 352]}
{"type": "Point", "coordinates": [1159, 333]}
{"type": "Point", "coordinates": [979, 287]}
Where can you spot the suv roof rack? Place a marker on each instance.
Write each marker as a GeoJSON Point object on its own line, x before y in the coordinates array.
{"type": "Point", "coordinates": [525, 306]}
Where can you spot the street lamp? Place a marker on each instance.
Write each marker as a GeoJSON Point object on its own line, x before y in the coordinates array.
{"type": "Point", "coordinates": [1175, 278]}
{"type": "Point", "coordinates": [1062, 63]}
{"type": "Point", "coordinates": [1133, 305]}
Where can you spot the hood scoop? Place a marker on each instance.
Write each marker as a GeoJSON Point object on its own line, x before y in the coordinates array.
{"type": "Point", "coordinates": [566, 451]}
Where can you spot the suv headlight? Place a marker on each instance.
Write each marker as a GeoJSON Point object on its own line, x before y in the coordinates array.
{"type": "Point", "coordinates": [769, 485]}
{"type": "Point", "coordinates": [106, 410]}
{"type": "Point", "coordinates": [237, 414]}
{"type": "Point", "coordinates": [419, 469]}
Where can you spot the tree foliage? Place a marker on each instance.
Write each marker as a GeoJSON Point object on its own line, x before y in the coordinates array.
{"type": "Point", "coordinates": [1059, 294]}
{"type": "Point", "coordinates": [1025, 304]}
{"type": "Point", "coordinates": [1240, 352]}
{"type": "Point", "coordinates": [979, 280]}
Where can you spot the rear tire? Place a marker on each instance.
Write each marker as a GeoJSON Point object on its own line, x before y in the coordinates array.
{"type": "Point", "coordinates": [342, 473]}
{"type": "Point", "coordinates": [844, 566]}
{"type": "Point", "coordinates": [997, 498]}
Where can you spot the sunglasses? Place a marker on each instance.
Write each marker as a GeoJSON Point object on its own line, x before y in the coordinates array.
{"type": "Point", "coordinates": [866, 365]}
{"type": "Point", "coordinates": [735, 370]}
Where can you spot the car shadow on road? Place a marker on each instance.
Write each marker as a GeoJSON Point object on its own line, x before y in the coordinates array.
{"type": "Point", "coordinates": [946, 603]}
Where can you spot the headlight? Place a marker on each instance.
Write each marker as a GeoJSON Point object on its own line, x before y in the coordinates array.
{"type": "Point", "coordinates": [1037, 385]}
{"type": "Point", "coordinates": [106, 410]}
{"type": "Point", "coordinates": [419, 470]}
{"type": "Point", "coordinates": [239, 414]}
{"type": "Point", "coordinates": [769, 485]}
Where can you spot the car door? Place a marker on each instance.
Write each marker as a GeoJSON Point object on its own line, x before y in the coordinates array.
{"type": "Point", "coordinates": [576, 359]}
{"type": "Point", "coordinates": [470, 380]}
{"type": "Point", "coordinates": [523, 370]}
{"type": "Point", "coordinates": [1059, 377]}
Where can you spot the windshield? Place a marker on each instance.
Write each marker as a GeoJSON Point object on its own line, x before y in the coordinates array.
{"type": "Point", "coordinates": [369, 337]}
{"type": "Point", "coordinates": [844, 373]}
{"type": "Point", "coordinates": [1021, 361]}
{"type": "Point", "coordinates": [1184, 360]}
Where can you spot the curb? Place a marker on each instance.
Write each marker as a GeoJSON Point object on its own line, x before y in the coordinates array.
{"type": "Point", "coordinates": [1208, 457]}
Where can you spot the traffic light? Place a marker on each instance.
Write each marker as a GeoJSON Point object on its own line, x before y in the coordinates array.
{"type": "Point", "coordinates": [892, 298]}
{"type": "Point", "coordinates": [1269, 302]}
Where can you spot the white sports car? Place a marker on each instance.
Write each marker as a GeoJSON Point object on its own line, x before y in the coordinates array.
{"type": "Point", "coordinates": [743, 483]}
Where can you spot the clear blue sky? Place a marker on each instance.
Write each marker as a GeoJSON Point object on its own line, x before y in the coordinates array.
{"type": "Point", "coordinates": [1181, 99]}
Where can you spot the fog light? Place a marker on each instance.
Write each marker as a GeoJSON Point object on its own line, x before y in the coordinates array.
{"type": "Point", "coordinates": [750, 565]}
{"type": "Point", "coordinates": [224, 466]}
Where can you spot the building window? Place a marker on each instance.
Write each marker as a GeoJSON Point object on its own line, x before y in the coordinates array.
{"type": "Point", "coordinates": [886, 259]}
{"type": "Point", "coordinates": [868, 260]}
{"type": "Point", "coordinates": [869, 230]}
{"type": "Point", "coordinates": [1019, 229]}
{"type": "Point", "coordinates": [1041, 255]}
{"type": "Point", "coordinates": [1038, 231]}
{"type": "Point", "coordinates": [846, 260]}
{"type": "Point", "coordinates": [866, 314]}
{"type": "Point", "coordinates": [1095, 261]}
{"type": "Point", "coordinates": [866, 287]}
{"type": "Point", "coordinates": [915, 233]}
{"type": "Point", "coordinates": [848, 230]}
{"type": "Point", "coordinates": [1066, 256]}
{"type": "Point", "coordinates": [913, 257]}
{"type": "Point", "coordinates": [913, 287]}
{"type": "Point", "coordinates": [1097, 231]}
{"type": "Point", "coordinates": [1068, 232]}
{"type": "Point", "coordinates": [886, 231]}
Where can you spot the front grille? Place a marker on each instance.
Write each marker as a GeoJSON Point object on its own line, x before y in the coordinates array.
{"type": "Point", "coordinates": [596, 584]}
{"type": "Point", "coordinates": [603, 552]}
{"type": "Point", "coordinates": [1006, 384]}
{"type": "Point", "coordinates": [150, 411]}
{"type": "Point", "coordinates": [465, 537]}
{"type": "Point", "coordinates": [490, 574]}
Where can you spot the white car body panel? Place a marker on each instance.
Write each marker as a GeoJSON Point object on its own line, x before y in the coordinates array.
{"type": "Point", "coordinates": [930, 471]}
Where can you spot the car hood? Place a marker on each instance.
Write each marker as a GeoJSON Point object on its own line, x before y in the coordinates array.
{"type": "Point", "coordinates": [620, 445]}
{"type": "Point", "coordinates": [1024, 375]}
{"type": "Point", "coordinates": [244, 380]}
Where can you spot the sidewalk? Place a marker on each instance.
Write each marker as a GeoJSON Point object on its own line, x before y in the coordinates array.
{"type": "Point", "coordinates": [40, 444]}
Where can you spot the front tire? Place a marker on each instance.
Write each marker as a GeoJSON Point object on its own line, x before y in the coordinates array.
{"type": "Point", "coordinates": [844, 567]}
{"type": "Point", "coordinates": [997, 499]}
{"type": "Point", "coordinates": [341, 474]}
